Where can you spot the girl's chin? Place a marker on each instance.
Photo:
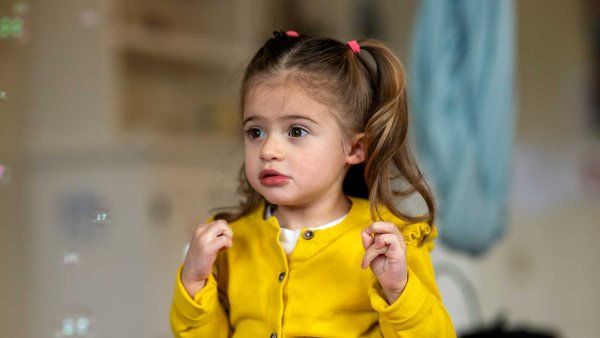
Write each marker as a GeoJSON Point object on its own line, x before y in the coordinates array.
{"type": "Point", "coordinates": [278, 200]}
{"type": "Point", "coordinates": [282, 199]}
{"type": "Point", "coordinates": [283, 195]}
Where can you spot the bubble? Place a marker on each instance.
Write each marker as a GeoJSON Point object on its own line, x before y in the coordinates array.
{"type": "Point", "coordinates": [74, 324]}
{"type": "Point", "coordinates": [67, 328]}
{"type": "Point", "coordinates": [11, 27]}
{"type": "Point", "coordinates": [17, 28]}
{"type": "Point", "coordinates": [70, 258]}
{"type": "Point", "coordinates": [89, 18]}
{"type": "Point", "coordinates": [14, 28]}
{"type": "Point", "coordinates": [4, 174]}
{"type": "Point", "coordinates": [82, 325]}
{"type": "Point", "coordinates": [21, 7]}
{"type": "Point", "coordinates": [101, 217]}
{"type": "Point", "coordinates": [5, 27]}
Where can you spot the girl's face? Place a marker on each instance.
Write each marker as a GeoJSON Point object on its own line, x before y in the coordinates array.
{"type": "Point", "coordinates": [287, 131]}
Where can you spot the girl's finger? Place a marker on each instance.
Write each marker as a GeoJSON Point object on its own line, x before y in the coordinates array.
{"type": "Point", "coordinates": [204, 227]}
{"type": "Point", "coordinates": [218, 243]}
{"type": "Point", "coordinates": [223, 241]}
{"type": "Point", "coordinates": [367, 240]}
{"type": "Point", "coordinates": [217, 229]}
{"type": "Point", "coordinates": [393, 242]}
{"type": "Point", "coordinates": [382, 228]}
{"type": "Point", "coordinates": [371, 254]}
{"type": "Point", "coordinates": [385, 244]}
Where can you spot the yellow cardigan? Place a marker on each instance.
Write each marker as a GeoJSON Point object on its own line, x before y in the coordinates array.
{"type": "Point", "coordinates": [254, 291]}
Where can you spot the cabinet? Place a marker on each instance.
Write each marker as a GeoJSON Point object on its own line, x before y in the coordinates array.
{"type": "Point", "coordinates": [181, 62]}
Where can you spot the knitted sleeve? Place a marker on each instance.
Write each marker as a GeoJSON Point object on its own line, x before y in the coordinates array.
{"type": "Point", "coordinates": [201, 316]}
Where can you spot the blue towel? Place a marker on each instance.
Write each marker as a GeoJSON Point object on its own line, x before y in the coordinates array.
{"type": "Point", "coordinates": [462, 95]}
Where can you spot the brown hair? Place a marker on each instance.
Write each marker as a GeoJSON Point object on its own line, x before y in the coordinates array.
{"type": "Point", "coordinates": [373, 99]}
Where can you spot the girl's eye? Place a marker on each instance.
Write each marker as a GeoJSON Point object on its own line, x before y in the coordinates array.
{"type": "Point", "coordinates": [254, 133]}
{"type": "Point", "coordinates": [297, 132]}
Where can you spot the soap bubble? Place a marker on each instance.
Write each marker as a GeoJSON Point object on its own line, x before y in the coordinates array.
{"type": "Point", "coordinates": [77, 322]}
{"type": "Point", "coordinates": [20, 7]}
{"type": "Point", "coordinates": [4, 174]}
{"type": "Point", "coordinates": [17, 27]}
{"type": "Point", "coordinates": [76, 325]}
{"type": "Point", "coordinates": [89, 18]}
{"type": "Point", "coordinates": [82, 325]}
{"type": "Point", "coordinates": [101, 217]}
{"type": "Point", "coordinates": [67, 328]}
{"type": "Point", "coordinates": [70, 258]}
{"type": "Point", "coordinates": [12, 27]}
{"type": "Point", "coordinates": [5, 27]}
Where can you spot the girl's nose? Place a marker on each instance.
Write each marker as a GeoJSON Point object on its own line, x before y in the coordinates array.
{"type": "Point", "coordinates": [271, 150]}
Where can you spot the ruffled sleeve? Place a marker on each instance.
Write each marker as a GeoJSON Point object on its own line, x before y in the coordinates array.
{"type": "Point", "coordinates": [417, 232]}
{"type": "Point", "coordinates": [419, 311]}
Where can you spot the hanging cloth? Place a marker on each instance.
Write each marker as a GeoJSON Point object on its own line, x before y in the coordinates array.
{"type": "Point", "coordinates": [463, 114]}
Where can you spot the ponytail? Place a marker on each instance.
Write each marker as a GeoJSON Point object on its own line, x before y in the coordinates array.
{"type": "Point", "coordinates": [387, 152]}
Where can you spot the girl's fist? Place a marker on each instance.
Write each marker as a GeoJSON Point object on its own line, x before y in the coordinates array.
{"type": "Point", "coordinates": [207, 241]}
{"type": "Point", "coordinates": [385, 253]}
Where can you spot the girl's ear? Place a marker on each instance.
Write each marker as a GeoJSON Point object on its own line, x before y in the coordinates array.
{"type": "Point", "coordinates": [357, 151]}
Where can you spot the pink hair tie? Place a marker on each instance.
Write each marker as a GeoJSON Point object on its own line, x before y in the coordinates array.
{"type": "Point", "coordinates": [354, 45]}
{"type": "Point", "coordinates": [292, 33]}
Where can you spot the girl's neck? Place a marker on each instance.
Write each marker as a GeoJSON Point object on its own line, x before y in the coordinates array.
{"type": "Point", "coordinates": [316, 213]}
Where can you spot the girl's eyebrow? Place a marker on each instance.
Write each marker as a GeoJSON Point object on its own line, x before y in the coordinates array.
{"type": "Point", "coordinates": [285, 117]}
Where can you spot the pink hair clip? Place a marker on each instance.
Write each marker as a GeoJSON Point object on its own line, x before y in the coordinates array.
{"type": "Point", "coordinates": [292, 33]}
{"type": "Point", "coordinates": [354, 45]}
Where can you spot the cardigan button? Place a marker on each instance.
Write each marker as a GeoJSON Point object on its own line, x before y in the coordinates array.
{"type": "Point", "coordinates": [308, 234]}
{"type": "Point", "coordinates": [273, 335]}
{"type": "Point", "coordinates": [281, 276]}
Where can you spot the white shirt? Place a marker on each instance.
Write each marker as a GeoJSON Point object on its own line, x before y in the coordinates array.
{"type": "Point", "coordinates": [288, 238]}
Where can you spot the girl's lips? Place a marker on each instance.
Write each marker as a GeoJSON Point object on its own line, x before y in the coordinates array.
{"type": "Point", "coordinates": [274, 180]}
{"type": "Point", "coordinates": [269, 172]}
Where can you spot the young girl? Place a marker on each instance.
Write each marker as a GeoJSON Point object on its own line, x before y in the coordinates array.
{"type": "Point", "coordinates": [318, 247]}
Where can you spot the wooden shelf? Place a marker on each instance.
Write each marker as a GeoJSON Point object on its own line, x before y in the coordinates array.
{"type": "Point", "coordinates": [179, 67]}
{"type": "Point", "coordinates": [181, 46]}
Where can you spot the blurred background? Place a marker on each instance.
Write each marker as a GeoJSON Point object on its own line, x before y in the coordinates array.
{"type": "Point", "coordinates": [119, 132]}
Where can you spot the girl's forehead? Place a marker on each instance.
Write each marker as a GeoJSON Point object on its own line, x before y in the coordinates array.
{"type": "Point", "coordinates": [272, 101]}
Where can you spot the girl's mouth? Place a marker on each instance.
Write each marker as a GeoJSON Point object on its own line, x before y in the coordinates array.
{"type": "Point", "coordinates": [271, 177]}
{"type": "Point", "coordinates": [275, 180]}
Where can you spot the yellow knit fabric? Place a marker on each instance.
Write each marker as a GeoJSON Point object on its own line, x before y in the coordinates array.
{"type": "Point", "coordinates": [323, 292]}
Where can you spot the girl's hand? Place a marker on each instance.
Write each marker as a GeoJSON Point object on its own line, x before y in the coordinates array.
{"type": "Point", "coordinates": [386, 254]}
{"type": "Point", "coordinates": [207, 241]}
